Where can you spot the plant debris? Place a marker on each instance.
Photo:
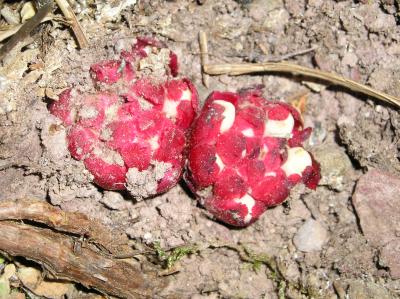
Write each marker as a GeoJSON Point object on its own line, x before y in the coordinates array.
{"type": "Point", "coordinates": [65, 256]}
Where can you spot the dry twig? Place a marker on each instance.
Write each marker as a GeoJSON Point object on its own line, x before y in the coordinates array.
{"type": "Point", "coordinates": [285, 67]}
{"type": "Point", "coordinates": [75, 26]}
{"type": "Point", "coordinates": [72, 223]}
{"type": "Point", "coordinates": [291, 55]}
{"type": "Point", "coordinates": [204, 56]}
{"type": "Point", "coordinates": [65, 257]}
{"type": "Point", "coordinates": [4, 34]}
{"type": "Point", "coordinates": [20, 32]}
{"type": "Point", "coordinates": [25, 29]}
{"type": "Point", "coordinates": [57, 254]}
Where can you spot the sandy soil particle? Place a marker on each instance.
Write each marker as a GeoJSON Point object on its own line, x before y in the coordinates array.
{"type": "Point", "coordinates": [142, 184]}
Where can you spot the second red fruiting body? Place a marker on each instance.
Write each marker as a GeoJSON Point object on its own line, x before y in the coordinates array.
{"type": "Point", "coordinates": [131, 132]}
{"type": "Point", "coordinates": [246, 154]}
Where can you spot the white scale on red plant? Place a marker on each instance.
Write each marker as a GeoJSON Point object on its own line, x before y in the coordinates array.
{"type": "Point", "coordinates": [246, 154]}
{"type": "Point", "coordinates": [131, 133]}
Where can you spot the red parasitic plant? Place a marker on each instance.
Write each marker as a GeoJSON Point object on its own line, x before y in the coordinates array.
{"type": "Point", "coordinates": [246, 154]}
{"type": "Point", "coordinates": [131, 131]}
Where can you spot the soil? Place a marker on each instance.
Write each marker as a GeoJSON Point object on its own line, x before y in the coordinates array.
{"type": "Point", "coordinates": [352, 134]}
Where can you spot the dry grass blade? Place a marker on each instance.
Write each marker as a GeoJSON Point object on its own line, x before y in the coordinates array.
{"type": "Point", "coordinates": [4, 34]}
{"type": "Point", "coordinates": [284, 67]}
{"type": "Point", "coordinates": [204, 56]}
{"type": "Point", "coordinates": [75, 26]}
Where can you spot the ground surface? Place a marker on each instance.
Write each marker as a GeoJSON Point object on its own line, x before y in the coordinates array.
{"type": "Point", "coordinates": [340, 241]}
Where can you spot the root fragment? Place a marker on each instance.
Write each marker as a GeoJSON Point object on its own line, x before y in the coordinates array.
{"type": "Point", "coordinates": [65, 256]}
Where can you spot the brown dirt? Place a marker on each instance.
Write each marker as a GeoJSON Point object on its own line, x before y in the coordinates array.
{"type": "Point", "coordinates": [358, 39]}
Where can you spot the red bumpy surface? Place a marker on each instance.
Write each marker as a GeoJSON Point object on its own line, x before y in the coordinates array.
{"type": "Point", "coordinates": [131, 133]}
{"type": "Point", "coordinates": [246, 154]}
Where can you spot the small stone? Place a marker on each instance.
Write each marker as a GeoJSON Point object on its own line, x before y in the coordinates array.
{"type": "Point", "coordinates": [259, 9]}
{"type": "Point", "coordinates": [376, 78]}
{"type": "Point", "coordinates": [8, 272]}
{"type": "Point", "coordinates": [311, 236]}
{"type": "Point", "coordinates": [367, 290]}
{"type": "Point", "coordinates": [377, 203]}
{"type": "Point", "coordinates": [32, 279]}
{"type": "Point", "coordinates": [6, 105]}
{"type": "Point", "coordinates": [110, 12]}
{"type": "Point", "coordinates": [335, 165]}
{"type": "Point", "coordinates": [276, 20]}
{"type": "Point", "coordinates": [174, 241]}
{"type": "Point", "coordinates": [382, 22]}
{"type": "Point", "coordinates": [147, 237]}
{"type": "Point", "coordinates": [27, 11]}
{"type": "Point", "coordinates": [208, 296]}
{"type": "Point", "coordinates": [295, 7]}
{"type": "Point", "coordinates": [10, 15]}
{"type": "Point", "coordinates": [269, 14]}
{"type": "Point", "coordinates": [390, 256]}
{"type": "Point", "coordinates": [53, 137]}
{"type": "Point", "coordinates": [113, 200]}
{"type": "Point", "coordinates": [314, 86]}
{"type": "Point", "coordinates": [350, 59]}
{"type": "Point", "coordinates": [293, 272]}
{"type": "Point", "coordinates": [3, 82]}
{"type": "Point", "coordinates": [318, 134]}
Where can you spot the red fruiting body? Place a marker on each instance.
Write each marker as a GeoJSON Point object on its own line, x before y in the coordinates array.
{"type": "Point", "coordinates": [246, 154]}
{"type": "Point", "coordinates": [133, 135]}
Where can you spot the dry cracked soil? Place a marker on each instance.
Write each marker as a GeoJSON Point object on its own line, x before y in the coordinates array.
{"type": "Point", "coordinates": [340, 241]}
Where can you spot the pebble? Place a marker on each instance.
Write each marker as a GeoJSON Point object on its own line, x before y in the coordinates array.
{"type": "Point", "coordinates": [113, 200]}
{"type": "Point", "coordinates": [335, 165]}
{"type": "Point", "coordinates": [377, 204]}
{"type": "Point", "coordinates": [367, 290]}
{"type": "Point", "coordinates": [206, 296]}
{"type": "Point", "coordinates": [10, 15]}
{"type": "Point", "coordinates": [112, 11]}
{"type": "Point", "coordinates": [259, 9]}
{"type": "Point", "coordinates": [311, 236]}
{"type": "Point", "coordinates": [389, 257]}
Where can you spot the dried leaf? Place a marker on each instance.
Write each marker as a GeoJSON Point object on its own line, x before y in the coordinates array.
{"type": "Point", "coordinates": [299, 101]}
{"type": "Point", "coordinates": [27, 11]}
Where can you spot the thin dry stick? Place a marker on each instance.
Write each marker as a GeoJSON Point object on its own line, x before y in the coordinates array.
{"type": "Point", "coordinates": [58, 254]}
{"type": "Point", "coordinates": [291, 55]}
{"type": "Point", "coordinates": [204, 56]}
{"type": "Point", "coordinates": [75, 26]}
{"type": "Point", "coordinates": [25, 29]}
{"type": "Point", "coordinates": [74, 223]}
{"type": "Point", "coordinates": [13, 30]}
{"type": "Point", "coordinates": [285, 67]}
